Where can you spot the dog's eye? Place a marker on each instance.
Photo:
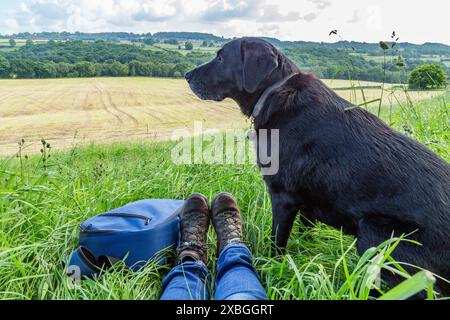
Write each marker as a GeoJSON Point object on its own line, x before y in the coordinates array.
{"type": "Point", "coordinates": [219, 58]}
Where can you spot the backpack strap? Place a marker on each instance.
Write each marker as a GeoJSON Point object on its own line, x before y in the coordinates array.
{"type": "Point", "coordinates": [82, 262]}
{"type": "Point", "coordinates": [107, 261]}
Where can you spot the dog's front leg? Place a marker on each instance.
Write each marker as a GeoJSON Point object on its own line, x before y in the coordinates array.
{"type": "Point", "coordinates": [284, 210]}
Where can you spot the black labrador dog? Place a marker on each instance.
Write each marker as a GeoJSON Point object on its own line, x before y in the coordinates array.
{"type": "Point", "coordinates": [338, 165]}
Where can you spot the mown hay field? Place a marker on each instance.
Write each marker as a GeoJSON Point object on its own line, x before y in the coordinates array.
{"type": "Point", "coordinates": [69, 112]}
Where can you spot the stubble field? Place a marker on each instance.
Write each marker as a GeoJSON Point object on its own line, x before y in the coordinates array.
{"type": "Point", "coordinates": [69, 112]}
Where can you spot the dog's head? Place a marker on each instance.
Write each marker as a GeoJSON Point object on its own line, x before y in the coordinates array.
{"type": "Point", "coordinates": [241, 70]}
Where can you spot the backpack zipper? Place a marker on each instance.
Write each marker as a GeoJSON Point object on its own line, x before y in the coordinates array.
{"type": "Point", "coordinates": [127, 215]}
{"type": "Point", "coordinates": [87, 230]}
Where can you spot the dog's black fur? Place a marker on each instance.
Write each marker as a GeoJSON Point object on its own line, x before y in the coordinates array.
{"type": "Point", "coordinates": [345, 168]}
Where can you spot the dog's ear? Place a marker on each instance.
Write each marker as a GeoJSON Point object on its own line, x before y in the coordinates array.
{"type": "Point", "coordinates": [259, 60]}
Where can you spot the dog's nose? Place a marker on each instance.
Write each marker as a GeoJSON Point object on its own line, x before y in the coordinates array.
{"type": "Point", "coordinates": [188, 75]}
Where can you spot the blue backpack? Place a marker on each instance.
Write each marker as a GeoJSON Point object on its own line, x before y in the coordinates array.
{"type": "Point", "coordinates": [133, 233]}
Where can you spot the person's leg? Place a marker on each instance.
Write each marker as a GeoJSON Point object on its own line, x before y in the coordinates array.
{"type": "Point", "coordinates": [189, 279]}
{"type": "Point", "coordinates": [236, 277]}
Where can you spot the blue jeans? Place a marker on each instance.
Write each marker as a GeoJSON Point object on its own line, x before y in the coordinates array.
{"type": "Point", "coordinates": [236, 278]}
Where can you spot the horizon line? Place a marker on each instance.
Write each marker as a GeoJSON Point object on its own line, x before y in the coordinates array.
{"type": "Point", "coordinates": [218, 36]}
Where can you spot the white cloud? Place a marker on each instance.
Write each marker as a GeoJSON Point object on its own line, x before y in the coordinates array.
{"type": "Point", "coordinates": [11, 24]}
{"type": "Point", "coordinates": [321, 4]}
{"type": "Point", "coordinates": [310, 16]}
{"type": "Point", "coordinates": [272, 13]}
{"type": "Point", "coordinates": [363, 20]}
{"type": "Point", "coordinates": [355, 17]}
{"type": "Point", "coordinates": [230, 9]}
{"type": "Point", "coordinates": [24, 7]}
{"type": "Point", "coordinates": [156, 10]}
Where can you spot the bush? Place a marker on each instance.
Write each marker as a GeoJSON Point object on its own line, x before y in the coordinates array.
{"type": "Point", "coordinates": [427, 76]}
{"type": "Point", "coordinates": [188, 45]}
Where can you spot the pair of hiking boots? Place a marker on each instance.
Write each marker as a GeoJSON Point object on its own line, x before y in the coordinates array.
{"type": "Point", "coordinates": [195, 218]}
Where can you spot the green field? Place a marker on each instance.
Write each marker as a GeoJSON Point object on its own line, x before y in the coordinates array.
{"type": "Point", "coordinates": [391, 59]}
{"type": "Point", "coordinates": [4, 45]}
{"type": "Point", "coordinates": [197, 46]}
{"type": "Point", "coordinates": [5, 42]}
{"type": "Point", "coordinates": [43, 199]}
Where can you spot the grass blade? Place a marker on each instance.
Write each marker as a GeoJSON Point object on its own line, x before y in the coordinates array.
{"type": "Point", "coordinates": [418, 282]}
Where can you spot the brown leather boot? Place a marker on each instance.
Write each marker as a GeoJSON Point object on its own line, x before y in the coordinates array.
{"type": "Point", "coordinates": [226, 219]}
{"type": "Point", "coordinates": [194, 223]}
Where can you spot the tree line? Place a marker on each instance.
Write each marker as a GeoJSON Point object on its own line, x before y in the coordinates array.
{"type": "Point", "coordinates": [59, 59]}
{"type": "Point", "coordinates": [333, 61]}
{"type": "Point", "coordinates": [29, 69]}
{"type": "Point", "coordinates": [116, 36]}
{"type": "Point", "coordinates": [90, 59]}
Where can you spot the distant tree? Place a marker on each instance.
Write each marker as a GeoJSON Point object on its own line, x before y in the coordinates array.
{"type": "Point", "coordinates": [85, 69]}
{"type": "Point", "coordinates": [45, 70]}
{"type": "Point", "coordinates": [22, 68]}
{"type": "Point", "coordinates": [117, 69]}
{"type": "Point", "coordinates": [427, 76]}
{"type": "Point", "coordinates": [29, 42]}
{"type": "Point", "coordinates": [149, 41]}
{"type": "Point", "coordinates": [139, 68]}
{"type": "Point", "coordinates": [4, 67]}
{"type": "Point", "coordinates": [204, 43]}
{"type": "Point", "coordinates": [171, 41]}
{"type": "Point", "coordinates": [183, 67]}
{"type": "Point", "coordinates": [12, 42]}
{"type": "Point", "coordinates": [188, 45]}
{"type": "Point", "coordinates": [63, 69]}
{"type": "Point", "coordinates": [211, 44]}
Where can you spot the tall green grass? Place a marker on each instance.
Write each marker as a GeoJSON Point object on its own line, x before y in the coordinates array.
{"type": "Point", "coordinates": [42, 202]}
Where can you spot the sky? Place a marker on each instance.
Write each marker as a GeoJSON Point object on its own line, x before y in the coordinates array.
{"type": "Point", "coordinates": [416, 21]}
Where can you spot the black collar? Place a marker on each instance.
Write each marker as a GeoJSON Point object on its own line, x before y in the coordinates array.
{"type": "Point", "coordinates": [260, 104]}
